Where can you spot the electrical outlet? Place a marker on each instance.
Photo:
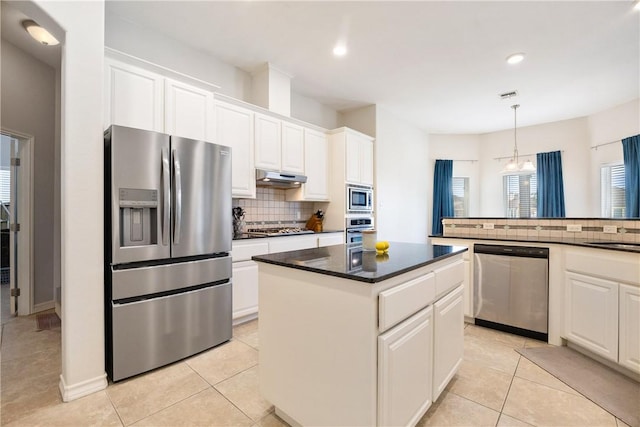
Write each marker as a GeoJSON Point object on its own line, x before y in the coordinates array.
{"type": "Point", "coordinates": [487, 226]}
{"type": "Point", "coordinates": [575, 228]}
{"type": "Point", "coordinates": [612, 229]}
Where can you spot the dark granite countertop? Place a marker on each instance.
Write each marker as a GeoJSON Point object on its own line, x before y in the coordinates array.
{"type": "Point", "coordinates": [588, 243]}
{"type": "Point", "coordinates": [351, 262]}
{"type": "Point", "coordinates": [245, 236]}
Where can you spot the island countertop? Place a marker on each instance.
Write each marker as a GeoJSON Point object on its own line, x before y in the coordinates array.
{"type": "Point", "coordinates": [351, 262]}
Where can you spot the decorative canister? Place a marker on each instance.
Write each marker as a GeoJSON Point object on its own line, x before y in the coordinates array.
{"type": "Point", "coordinates": [369, 238]}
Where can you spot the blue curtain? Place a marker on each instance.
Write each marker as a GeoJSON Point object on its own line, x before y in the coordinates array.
{"type": "Point", "coordinates": [442, 194]}
{"type": "Point", "coordinates": [631, 155]}
{"type": "Point", "coordinates": [550, 186]}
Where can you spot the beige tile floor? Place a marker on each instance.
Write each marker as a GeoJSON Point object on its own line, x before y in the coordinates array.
{"type": "Point", "coordinates": [494, 387]}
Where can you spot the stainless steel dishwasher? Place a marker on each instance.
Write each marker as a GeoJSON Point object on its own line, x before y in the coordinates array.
{"type": "Point", "coordinates": [511, 289]}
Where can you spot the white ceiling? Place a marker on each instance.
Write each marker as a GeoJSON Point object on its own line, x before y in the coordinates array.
{"type": "Point", "coordinates": [438, 64]}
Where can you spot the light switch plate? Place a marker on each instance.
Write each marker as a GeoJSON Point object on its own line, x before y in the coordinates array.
{"type": "Point", "coordinates": [487, 226]}
{"type": "Point", "coordinates": [576, 228]}
{"type": "Point", "coordinates": [611, 229]}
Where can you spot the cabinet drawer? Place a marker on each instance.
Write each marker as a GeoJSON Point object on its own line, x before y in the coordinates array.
{"type": "Point", "coordinates": [448, 277]}
{"type": "Point", "coordinates": [244, 251]}
{"type": "Point", "coordinates": [402, 301]}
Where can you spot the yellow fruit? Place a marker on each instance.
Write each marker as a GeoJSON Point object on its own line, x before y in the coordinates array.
{"type": "Point", "coordinates": [380, 246]}
{"type": "Point", "coordinates": [386, 245]}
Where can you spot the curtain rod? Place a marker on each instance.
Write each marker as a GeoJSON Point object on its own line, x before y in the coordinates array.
{"type": "Point", "coordinates": [464, 160]}
{"type": "Point", "coordinates": [606, 143]}
{"type": "Point", "coordinates": [520, 155]}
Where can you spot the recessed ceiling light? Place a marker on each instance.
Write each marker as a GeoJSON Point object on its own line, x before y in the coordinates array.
{"type": "Point", "coordinates": [515, 58]}
{"type": "Point", "coordinates": [340, 50]}
{"type": "Point", "coordinates": [41, 35]}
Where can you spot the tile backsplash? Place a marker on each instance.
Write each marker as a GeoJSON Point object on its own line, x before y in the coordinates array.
{"type": "Point", "coordinates": [270, 209]}
{"type": "Point", "coordinates": [626, 230]}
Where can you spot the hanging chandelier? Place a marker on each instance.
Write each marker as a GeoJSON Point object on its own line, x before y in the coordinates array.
{"type": "Point", "coordinates": [514, 167]}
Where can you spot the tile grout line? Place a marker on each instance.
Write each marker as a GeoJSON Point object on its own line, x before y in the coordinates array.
{"type": "Point", "coordinates": [213, 386]}
{"type": "Point", "coordinates": [509, 389]}
{"type": "Point", "coordinates": [114, 406]}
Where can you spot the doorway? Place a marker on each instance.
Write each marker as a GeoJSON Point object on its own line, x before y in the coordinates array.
{"type": "Point", "coordinates": [16, 224]}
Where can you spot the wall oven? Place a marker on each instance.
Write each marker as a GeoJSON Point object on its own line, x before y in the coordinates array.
{"type": "Point", "coordinates": [359, 199]}
{"type": "Point", "coordinates": [354, 226]}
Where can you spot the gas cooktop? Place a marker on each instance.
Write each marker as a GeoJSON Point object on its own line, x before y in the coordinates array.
{"type": "Point", "coordinates": [279, 231]}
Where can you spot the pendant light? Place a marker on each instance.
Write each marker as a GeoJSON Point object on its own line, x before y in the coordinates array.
{"type": "Point", "coordinates": [514, 167]}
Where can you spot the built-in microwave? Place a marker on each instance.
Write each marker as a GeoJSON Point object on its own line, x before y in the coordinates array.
{"type": "Point", "coordinates": [359, 199]}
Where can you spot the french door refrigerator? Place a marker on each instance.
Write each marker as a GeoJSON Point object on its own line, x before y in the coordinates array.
{"type": "Point", "coordinates": [167, 249]}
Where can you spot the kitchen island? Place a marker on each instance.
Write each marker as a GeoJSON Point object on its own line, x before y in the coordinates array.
{"type": "Point", "coordinates": [349, 337]}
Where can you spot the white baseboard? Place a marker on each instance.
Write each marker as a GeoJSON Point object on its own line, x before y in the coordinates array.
{"type": "Point", "coordinates": [37, 308]}
{"type": "Point", "coordinates": [76, 391]}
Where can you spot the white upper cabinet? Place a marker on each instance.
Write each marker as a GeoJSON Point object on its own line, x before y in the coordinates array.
{"type": "Point", "coordinates": [268, 142]}
{"type": "Point", "coordinates": [293, 147]}
{"type": "Point", "coordinates": [234, 128]}
{"type": "Point", "coordinates": [133, 97]}
{"type": "Point", "coordinates": [142, 99]}
{"type": "Point", "coordinates": [359, 159]}
{"type": "Point", "coordinates": [316, 166]}
{"type": "Point", "coordinates": [279, 144]}
{"type": "Point", "coordinates": [189, 111]}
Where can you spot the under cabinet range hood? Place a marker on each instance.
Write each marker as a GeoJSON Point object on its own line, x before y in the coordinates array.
{"type": "Point", "coordinates": [265, 178]}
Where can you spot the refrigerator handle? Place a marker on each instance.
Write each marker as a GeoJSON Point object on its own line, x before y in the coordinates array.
{"type": "Point", "coordinates": [178, 198]}
{"type": "Point", "coordinates": [165, 196]}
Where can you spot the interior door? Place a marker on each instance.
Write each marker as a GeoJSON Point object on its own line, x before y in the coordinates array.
{"type": "Point", "coordinates": [201, 198]}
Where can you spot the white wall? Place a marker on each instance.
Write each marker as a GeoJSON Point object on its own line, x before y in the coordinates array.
{"type": "Point", "coordinates": [575, 137]}
{"type": "Point", "coordinates": [170, 53]}
{"type": "Point", "coordinates": [81, 190]}
{"type": "Point", "coordinates": [611, 125]}
{"type": "Point", "coordinates": [311, 111]}
{"type": "Point", "coordinates": [360, 119]}
{"type": "Point", "coordinates": [234, 82]}
{"type": "Point", "coordinates": [403, 184]}
{"type": "Point", "coordinates": [28, 107]}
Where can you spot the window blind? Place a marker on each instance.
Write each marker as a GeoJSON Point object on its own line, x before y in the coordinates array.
{"type": "Point", "coordinates": [5, 186]}
{"type": "Point", "coordinates": [521, 196]}
{"type": "Point", "coordinates": [460, 196]}
{"type": "Point", "coordinates": [612, 191]}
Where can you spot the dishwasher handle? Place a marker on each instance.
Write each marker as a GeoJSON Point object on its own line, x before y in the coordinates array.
{"type": "Point", "coordinates": [516, 251]}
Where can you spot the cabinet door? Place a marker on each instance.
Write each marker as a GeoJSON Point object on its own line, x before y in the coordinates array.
{"type": "Point", "coordinates": [268, 144]}
{"type": "Point", "coordinates": [234, 128]}
{"type": "Point", "coordinates": [293, 148]}
{"type": "Point", "coordinates": [352, 159]}
{"type": "Point", "coordinates": [330, 239]}
{"type": "Point", "coordinates": [591, 314]}
{"type": "Point", "coordinates": [292, 243]}
{"type": "Point", "coordinates": [404, 370]}
{"type": "Point", "coordinates": [133, 97]}
{"type": "Point", "coordinates": [245, 288]}
{"type": "Point", "coordinates": [448, 341]}
{"type": "Point", "coordinates": [630, 327]}
{"type": "Point", "coordinates": [316, 166]}
{"type": "Point", "coordinates": [366, 162]}
{"type": "Point", "coordinates": [189, 111]}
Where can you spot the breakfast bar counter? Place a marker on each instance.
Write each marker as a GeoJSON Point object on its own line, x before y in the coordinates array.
{"type": "Point", "coordinates": [349, 337]}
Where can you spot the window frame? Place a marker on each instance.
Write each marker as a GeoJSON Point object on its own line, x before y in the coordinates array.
{"type": "Point", "coordinates": [606, 193]}
{"type": "Point", "coordinates": [533, 196]}
{"type": "Point", "coordinates": [465, 197]}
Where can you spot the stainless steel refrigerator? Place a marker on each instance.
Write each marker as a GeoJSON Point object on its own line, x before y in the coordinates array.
{"type": "Point", "coordinates": [167, 249]}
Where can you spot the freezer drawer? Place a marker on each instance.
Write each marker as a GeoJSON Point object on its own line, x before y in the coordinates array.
{"type": "Point", "coordinates": [136, 282]}
{"type": "Point", "coordinates": [152, 333]}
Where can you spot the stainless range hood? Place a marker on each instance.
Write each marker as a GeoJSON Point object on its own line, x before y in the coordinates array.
{"type": "Point", "coordinates": [273, 179]}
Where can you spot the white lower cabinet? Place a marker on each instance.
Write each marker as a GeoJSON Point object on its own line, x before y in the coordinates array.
{"type": "Point", "coordinates": [245, 289]}
{"type": "Point", "coordinates": [292, 243]}
{"type": "Point", "coordinates": [629, 348]}
{"type": "Point", "coordinates": [591, 314]}
{"type": "Point", "coordinates": [404, 370]}
{"type": "Point", "coordinates": [330, 239]}
{"type": "Point", "coordinates": [448, 348]}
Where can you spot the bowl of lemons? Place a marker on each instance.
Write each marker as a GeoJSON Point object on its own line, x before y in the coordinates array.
{"type": "Point", "coordinates": [382, 247]}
